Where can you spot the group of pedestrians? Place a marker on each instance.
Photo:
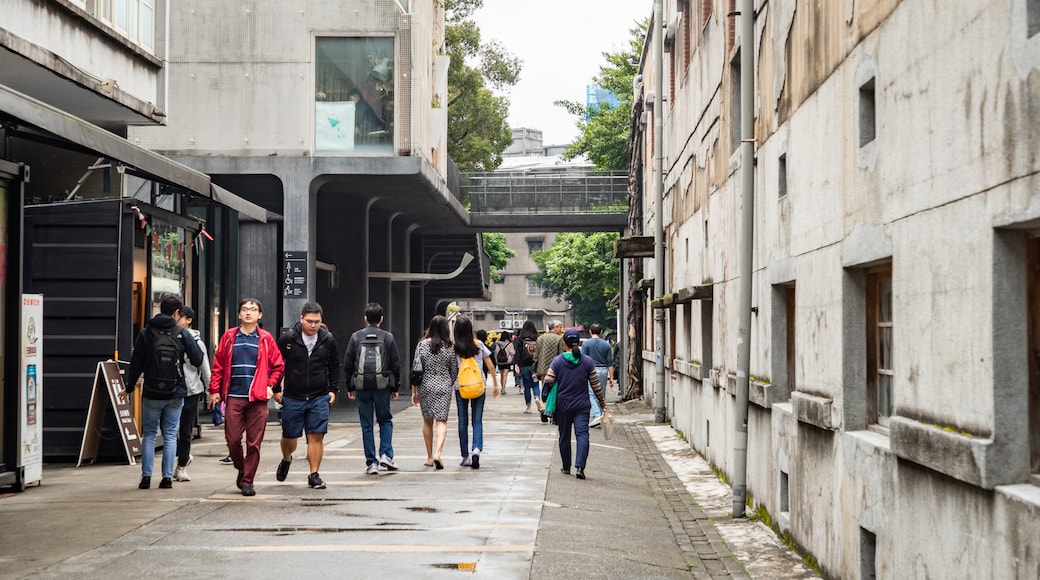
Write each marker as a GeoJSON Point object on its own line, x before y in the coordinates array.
{"type": "Point", "coordinates": [301, 371]}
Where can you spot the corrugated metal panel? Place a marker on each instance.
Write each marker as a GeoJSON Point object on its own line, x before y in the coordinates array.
{"type": "Point", "coordinates": [403, 105]}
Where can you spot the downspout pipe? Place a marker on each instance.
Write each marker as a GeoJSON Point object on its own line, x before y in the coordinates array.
{"type": "Point", "coordinates": [747, 222]}
{"type": "Point", "coordinates": [658, 32]}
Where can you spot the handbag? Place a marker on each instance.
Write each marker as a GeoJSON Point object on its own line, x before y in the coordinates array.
{"type": "Point", "coordinates": [550, 401]}
{"type": "Point", "coordinates": [417, 371]}
{"type": "Point", "coordinates": [607, 424]}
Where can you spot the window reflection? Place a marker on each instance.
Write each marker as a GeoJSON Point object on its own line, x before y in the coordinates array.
{"type": "Point", "coordinates": [354, 95]}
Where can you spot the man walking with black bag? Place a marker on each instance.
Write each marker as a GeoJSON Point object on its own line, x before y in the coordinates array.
{"type": "Point", "coordinates": [372, 367]}
{"type": "Point", "coordinates": [159, 355]}
{"type": "Point", "coordinates": [309, 387]}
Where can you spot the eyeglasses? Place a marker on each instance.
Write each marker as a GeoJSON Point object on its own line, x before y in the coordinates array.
{"type": "Point", "coordinates": [249, 309]}
{"type": "Point", "coordinates": [312, 322]}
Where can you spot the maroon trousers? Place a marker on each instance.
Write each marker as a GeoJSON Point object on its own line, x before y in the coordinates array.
{"type": "Point", "coordinates": [243, 416]}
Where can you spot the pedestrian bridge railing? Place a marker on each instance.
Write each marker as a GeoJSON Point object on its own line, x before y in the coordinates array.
{"type": "Point", "coordinates": [519, 193]}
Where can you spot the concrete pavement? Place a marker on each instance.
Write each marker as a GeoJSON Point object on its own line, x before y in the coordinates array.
{"type": "Point", "coordinates": [650, 508]}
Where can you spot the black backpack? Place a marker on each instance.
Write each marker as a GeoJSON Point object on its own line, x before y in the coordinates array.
{"type": "Point", "coordinates": [372, 370]}
{"type": "Point", "coordinates": [165, 370]}
{"type": "Point", "coordinates": [502, 357]}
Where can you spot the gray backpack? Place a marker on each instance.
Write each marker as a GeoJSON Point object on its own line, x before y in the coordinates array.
{"type": "Point", "coordinates": [372, 370]}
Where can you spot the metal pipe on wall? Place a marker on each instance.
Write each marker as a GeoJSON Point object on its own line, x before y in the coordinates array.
{"type": "Point", "coordinates": [747, 237]}
{"type": "Point", "coordinates": [658, 32]}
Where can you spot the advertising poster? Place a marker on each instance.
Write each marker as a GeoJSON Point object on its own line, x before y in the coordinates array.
{"type": "Point", "coordinates": [334, 126]}
{"type": "Point", "coordinates": [30, 452]}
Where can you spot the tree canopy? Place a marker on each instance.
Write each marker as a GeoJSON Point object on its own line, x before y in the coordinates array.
{"type": "Point", "coordinates": [581, 268]}
{"type": "Point", "coordinates": [478, 131]}
{"type": "Point", "coordinates": [604, 131]}
{"type": "Point", "coordinates": [498, 252]}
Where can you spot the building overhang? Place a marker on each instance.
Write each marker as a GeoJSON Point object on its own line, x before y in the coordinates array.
{"type": "Point", "coordinates": [635, 247]}
{"type": "Point", "coordinates": [683, 296]}
{"type": "Point", "coordinates": [31, 118]}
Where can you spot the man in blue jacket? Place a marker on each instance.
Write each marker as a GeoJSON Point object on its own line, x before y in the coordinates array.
{"type": "Point", "coordinates": [309, 387]}
{"type": "Point", "coordinates": [164, 386]}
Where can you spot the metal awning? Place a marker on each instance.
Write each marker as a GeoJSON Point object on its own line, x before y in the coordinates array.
{"type": "Point", "coordinates": [84, 134]}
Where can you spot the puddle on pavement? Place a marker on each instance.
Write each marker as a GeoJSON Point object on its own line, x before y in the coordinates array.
{"type": "Point", "coordinates": [292, 530]}
{"type": "Point", "coordinates": [464, 566]}
{"type": "Point", "coordinates": [428, 510]}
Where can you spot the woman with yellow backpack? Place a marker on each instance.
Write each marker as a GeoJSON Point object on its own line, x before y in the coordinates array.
{"type": "Point", "coordinates": [469, 389]}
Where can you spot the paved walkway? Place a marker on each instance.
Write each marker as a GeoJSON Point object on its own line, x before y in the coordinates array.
{"type": "Point", "coordinates": [650, 508]}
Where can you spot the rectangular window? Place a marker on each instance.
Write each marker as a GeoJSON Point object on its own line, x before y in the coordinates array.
{"type": "Point", "coordinates": [879, 345]}
{"type": "Point", "coordinates": [133, 18]}
{"type": "Point", "coordinates": [734, 110]}
{"type": "Point", "coordinates": [1033, 290]}
{"type": "Point", "coordinates": [687, 33]}
{"type": "Point", "coordinates": [789, 359]}
{"type": "Point", "coordinates": [785, 494]}
{"type": "Point", "coordinates": [781, 177]}
{"type": "Point", "coordinates": [353, 95]}
{"type": "Point", "coordinates": [867, 555]}
{"type": "Point", "coordinates": [867, 112]}
{"type": "Point", "coordinates": [534, 246]}
{"type": "Point", "coordinates": [783, 341]}
{"type": "Point", "coordinates": [533, 289]}
{"type": "Point", "coordinates": [1033, 17]}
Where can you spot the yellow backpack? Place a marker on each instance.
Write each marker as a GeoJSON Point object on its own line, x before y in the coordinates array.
{"type": "Point", "coordinates": [471, 380]}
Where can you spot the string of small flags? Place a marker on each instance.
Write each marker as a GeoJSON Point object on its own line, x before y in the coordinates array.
{"type": "Point", "coordinates": [167, 249]}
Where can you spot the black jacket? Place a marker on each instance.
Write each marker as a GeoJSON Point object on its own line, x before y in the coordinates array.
{"type": "Point", "coordinates": [308, 375]}
{"type": "Point", "coordinates": [143, 349]}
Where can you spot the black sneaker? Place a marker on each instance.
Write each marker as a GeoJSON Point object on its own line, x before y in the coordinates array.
{"type": "Point", "coordinates": [315, 482]}
{"type": "Point", "coordinates": [166, 483]}
{"type": "Point", "coordinates": [580, 473]}
{"type": "Point", "coordinates": [248, 491]}
{"type": "Point", "coordinates": [238, 480]}
{"type": "Point", "coordinates": [146, 482]}
{"type": "Point", "coordinates": [565, 470]}
{"type": "Point", "coordinates": [283, 469]}
{"type": "Point", "coordinates": [226, 460]}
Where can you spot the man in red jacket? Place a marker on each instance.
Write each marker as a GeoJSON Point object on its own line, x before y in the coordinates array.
{"type": "Point", "coordinates": [246, 366]}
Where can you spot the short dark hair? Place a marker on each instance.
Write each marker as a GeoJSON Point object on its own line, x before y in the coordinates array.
{"type": "Point", "coordinates": [170, 304]}
{"type": "Point", "coordinates": [373, 312]}
{"type": "Point", "coordinates": [259, 307]}
{"type": "Point", "coordinates": [310, 308]}
{"type": "Point", "coordinates": [596, 328]}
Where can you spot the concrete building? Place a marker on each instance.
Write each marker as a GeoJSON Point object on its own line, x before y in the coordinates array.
{"type": "Point", "coordinates": [895, 404]}
{"type": "Point", "coordinates": [99, 225]}
{"type": "Point", "coordinates": [331, 116]}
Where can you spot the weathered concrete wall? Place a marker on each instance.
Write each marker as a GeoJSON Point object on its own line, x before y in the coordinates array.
{"type": "Point", "coordinates": [945, 193]}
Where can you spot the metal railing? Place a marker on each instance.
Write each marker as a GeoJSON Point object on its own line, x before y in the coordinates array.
{"type": "Point", "coordinates": [593, 192]}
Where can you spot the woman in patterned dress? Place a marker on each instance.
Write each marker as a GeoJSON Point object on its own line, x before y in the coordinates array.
{"type": "Point", "coordinates": [435, 391]}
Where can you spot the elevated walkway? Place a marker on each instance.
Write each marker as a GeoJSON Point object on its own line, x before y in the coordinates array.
{"type": "Point", "coordinates": [591, 201]}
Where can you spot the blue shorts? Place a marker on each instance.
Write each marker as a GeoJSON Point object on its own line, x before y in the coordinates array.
{"type": "Point", "coordinates": [299, 416]}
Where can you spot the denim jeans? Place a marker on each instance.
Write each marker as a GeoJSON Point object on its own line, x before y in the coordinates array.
{"type": "Point", "coordinates": [463, 405]}
{"type": "Point", "coordinates": [601, 372]}
{"type": "Point", "coordinates": [377, 403]}
{"type": "Point", "coordinates": [530, 385]}
{"type": "Point", "coordinates": [168, 411]}
{"type": "Point", "coordinates": [580, 422]}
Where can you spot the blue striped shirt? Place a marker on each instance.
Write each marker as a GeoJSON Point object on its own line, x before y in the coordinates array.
{"type": "Point", "coordinates": [243, 362]}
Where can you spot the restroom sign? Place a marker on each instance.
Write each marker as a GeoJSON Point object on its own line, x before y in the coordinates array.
{"type": "Point", "coordinates": [294, 275]}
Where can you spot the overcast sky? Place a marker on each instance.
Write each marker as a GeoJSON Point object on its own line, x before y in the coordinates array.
{"type": "Point", "coordinates": [561, 44]}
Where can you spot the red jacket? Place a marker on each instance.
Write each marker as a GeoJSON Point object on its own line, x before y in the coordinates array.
{"type": "Point", "coordinates": [269, 366]}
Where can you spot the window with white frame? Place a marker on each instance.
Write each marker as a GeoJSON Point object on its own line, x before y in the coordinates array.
{"type": "Point", "coordinates": [134, 19]}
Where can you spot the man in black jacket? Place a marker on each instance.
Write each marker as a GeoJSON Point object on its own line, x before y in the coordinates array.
{"type": "Point", "coordinates": [164, 389]}
{"type": "Point", "coordinates": [308, 388]}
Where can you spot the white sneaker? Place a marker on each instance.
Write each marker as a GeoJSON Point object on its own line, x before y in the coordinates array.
{"type": "Point", "coordinates": [372, 469]}
{"type": "Point", "coordinates": [181, 474]}
{"type": "Point", "coordinates": [387, 462]}
{"type": "Point", "coordinates": [595, 421]}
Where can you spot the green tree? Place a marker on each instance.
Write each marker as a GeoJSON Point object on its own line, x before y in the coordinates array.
{"type": "Point", "coordinates": [604, 136]}
{"type": "Point", "coordinates": [498, 253]}
{"type": "Point", "coordinates": [582, 269]}
{"type": "Point", "coordinates": [478, 131]}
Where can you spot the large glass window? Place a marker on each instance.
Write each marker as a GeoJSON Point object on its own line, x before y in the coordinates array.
{"type": "Point", "coordinates": [133, 18]}
{"type": "Point", "coordinates": [354, 95]}
{"type": "Point", "coordinates": [879, 345]}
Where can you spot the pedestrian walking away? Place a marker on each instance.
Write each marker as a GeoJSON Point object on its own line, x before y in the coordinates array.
{"type": "Point", "coordinates": [570, 374]}
{"type": "Point", "coordinates": [599, 351]}
{"type": "Point", "coordinates": [372, 367]}
{"type": "Point", "coordinates": [433, 392]}
{"type": "Point", "coordinates": [547, 348]}
{"type": "Point", "coordinates": [158, 354]}
{"type": "Point", "coordinates": [524, 346]}
{"type": "Point", "coordinates": [246, 366]}
{"type": "Point", "coordinates": [309, 387]}
{"type": "Point", "coordinates": [196, 379]}
{"type": "Point", "coordinates": [504, 355]}
{"type": "Point", "coordinates": [467, 346]}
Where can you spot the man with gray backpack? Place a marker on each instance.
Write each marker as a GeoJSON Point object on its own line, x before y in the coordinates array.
{"type": "Point", "coordinates": [159, 354]}
{"type": "Point", "coordinates": [372, 367]}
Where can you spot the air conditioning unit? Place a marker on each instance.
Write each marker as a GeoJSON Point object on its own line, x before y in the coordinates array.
{"type": "Point", "coordinates": [518, 324]}
{"type": "Point", "coordinates": [505, 324]}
